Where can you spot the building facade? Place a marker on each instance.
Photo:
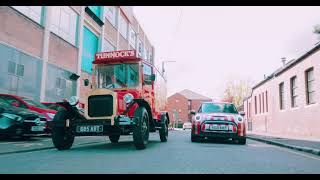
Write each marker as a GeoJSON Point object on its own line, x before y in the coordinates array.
{"type": "Point", "coordinates": [180, 104]}
{"type": "Point", "coordinates": [47, 51]}
{"type": "Point", "coordinates": [288, 101]}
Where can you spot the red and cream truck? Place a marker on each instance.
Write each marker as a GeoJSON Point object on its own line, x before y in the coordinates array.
{"type": "Point", "coordinates": [127, 96]}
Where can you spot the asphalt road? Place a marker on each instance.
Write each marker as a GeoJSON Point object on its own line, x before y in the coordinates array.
{"type": "Point", "coordinates": [178, 155]}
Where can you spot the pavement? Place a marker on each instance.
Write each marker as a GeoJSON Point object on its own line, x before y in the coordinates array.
{"type": "Point", "coordinates": [96, 155]}
{"type": "Point", "coordinates": [301, 144]}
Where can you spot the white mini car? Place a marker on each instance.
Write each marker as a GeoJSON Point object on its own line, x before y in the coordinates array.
{"type": "Point", "coordinates": [187, 125]}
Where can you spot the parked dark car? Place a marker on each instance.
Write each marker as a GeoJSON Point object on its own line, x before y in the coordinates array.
{"type": "Point", "coordinates": [24, 123]}
{"type": "Point", "coordinates": [27, 103]}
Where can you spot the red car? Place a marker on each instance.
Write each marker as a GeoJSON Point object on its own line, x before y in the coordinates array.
{"type": "Point", "coordinates": [27, 103]}
{"type": "Point", "coordinates": [218, 121]}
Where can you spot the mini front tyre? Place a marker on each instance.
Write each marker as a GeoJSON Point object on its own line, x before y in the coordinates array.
{"type": "Point", "coordinates": [242, 141]}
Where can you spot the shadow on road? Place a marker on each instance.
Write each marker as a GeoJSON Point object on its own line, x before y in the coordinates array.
{"type": "Point", "coordinates": [124, 146]}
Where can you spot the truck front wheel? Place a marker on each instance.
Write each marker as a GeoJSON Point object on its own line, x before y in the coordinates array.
{"type": "Point", "coordinates": [164, 131]}
{"type": "Point", "coordinates": [141, 128]}
{"type": "Point", "coordinates": [62, 137]}
{"type": "Point", "coordinates": [114, 138]}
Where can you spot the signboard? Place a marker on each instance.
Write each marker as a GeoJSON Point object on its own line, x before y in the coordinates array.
{"type": "Point", "coordinates": [115, 55]}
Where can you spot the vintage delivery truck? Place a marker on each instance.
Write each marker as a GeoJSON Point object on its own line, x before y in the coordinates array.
{"type": "Point", "coordinates": [127, 97]}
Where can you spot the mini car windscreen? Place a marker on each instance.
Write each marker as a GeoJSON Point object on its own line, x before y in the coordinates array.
{"type": "Point", "coordinates": [218, 108]}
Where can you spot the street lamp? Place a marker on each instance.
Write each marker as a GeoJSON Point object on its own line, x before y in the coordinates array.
{"type": "Point", "coordinates": [163, 65]}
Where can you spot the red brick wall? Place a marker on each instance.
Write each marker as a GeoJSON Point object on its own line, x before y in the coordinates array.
{"type": "Point", "coordinates": [178, 102]}
{"type": "Point", "coordinates": [13, 31]}
{"type": "Point", "coordinates": [62, 54]}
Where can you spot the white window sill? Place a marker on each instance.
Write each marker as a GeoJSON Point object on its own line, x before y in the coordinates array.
{"type": "Point", "coordinates": [311, 105]}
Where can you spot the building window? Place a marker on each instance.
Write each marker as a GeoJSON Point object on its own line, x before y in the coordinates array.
{"type": "Point", "coordinates": [249, 110]}
{"type": "Point", "coordinates": [263, 102]}
{"type": "Point", "coordinates": [266, 101]}
{"type": "Point", "coordinates": [96, 10]}
{"type": "Point", "coordinates": [64, 23]}
{"type": "Point", "coordinates": [140, 48]}
{"type": "Point", "coordinates": [281, 95]}
{"type": "Point", "coordinates": [123, 27]}
{"type": "Point", "coordinates": [132, 37]}
{"type": "Point", "coordinates": [255, 104]}
{"type": "Point", "coordinates": [15, 69]}
{"type": "Point", "coordinates": [260, 103]}
{"type": "Point", "coordinates": [310, 91]}
{"type": "Point", "coordinates": [110, 14]}
{"type": "Point", "coordinates": [108, 46]}
{"type": "Point", "coordinates": [32, 12]}
{"type": "Point", "coordinates": [293, 91]}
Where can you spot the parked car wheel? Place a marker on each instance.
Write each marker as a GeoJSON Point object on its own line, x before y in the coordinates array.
{"type": "Point", "coordinates": [195, 139]}
{"type": "Point", "coordinates": [242, 141]}
{"type": "Point", "coordinates": [141, 128]}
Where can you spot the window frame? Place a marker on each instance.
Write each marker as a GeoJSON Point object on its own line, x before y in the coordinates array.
{"type": "Point", "coordinates": [307, 81]}
{"type": "Point", "coordinates": [294, 88]}
{"type": "Point", "coordinates": [281, 96]}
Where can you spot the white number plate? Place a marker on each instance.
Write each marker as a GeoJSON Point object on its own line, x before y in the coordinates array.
{"type": "Point", "coordinates": [90, 128]}
{"type": "Point", "coordinates": [216, 127]}
{"type": "Point", "coordinates": [37, 128]}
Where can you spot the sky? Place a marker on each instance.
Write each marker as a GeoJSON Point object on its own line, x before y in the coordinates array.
{"type": "Point", "coordinates": [212, 45]}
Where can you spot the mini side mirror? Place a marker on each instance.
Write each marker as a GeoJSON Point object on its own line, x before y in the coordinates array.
{"type": "Point", "coordinates": [242, 113]}
{"type": "Point", "coordinates": [193, 112]}
{"type": "Point", "coordinates": [86, 82]}
{"type": "Point", "coordinates": [153, 77]}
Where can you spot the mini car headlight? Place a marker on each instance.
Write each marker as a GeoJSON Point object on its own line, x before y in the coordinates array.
{"type": "Point", "coordinates": [128, 98]}
{"type": "Point", "coordinates": [74, 100]}
{"type": "Point", "coordinates": [51, 115]}
{"type": "Point", "coordinates": [12, 116]}
{"type": "Point", "coordinates": [240, 119]}
{"type": "Point", "coordinates": [198, 117]}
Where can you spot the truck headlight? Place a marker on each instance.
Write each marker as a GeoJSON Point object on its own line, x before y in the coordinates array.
{"type": "Point", "coordinates": [74, 100]}
{"type": "Point", "coordinates": [12, 116]}
{"type": "Point", "coordinates": [128, 98]}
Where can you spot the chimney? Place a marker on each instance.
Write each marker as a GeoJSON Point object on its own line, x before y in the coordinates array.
{"type": "Point", "coordinates": [283, 61]}
{"type": "Point", "coordinates": [264, 76]}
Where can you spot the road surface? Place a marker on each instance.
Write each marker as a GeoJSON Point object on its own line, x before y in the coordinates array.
{"type": "Point", "coordinates": [96, 155]}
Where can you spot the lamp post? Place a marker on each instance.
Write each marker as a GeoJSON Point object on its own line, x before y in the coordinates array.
{"type": "Point", "coordinates": [163, 65]}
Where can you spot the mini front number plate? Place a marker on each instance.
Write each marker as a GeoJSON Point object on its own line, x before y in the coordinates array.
{"type": "Point", "coordinates": [90, 128]}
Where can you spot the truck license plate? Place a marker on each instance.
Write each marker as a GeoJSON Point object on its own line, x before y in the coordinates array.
{"type": "Point", "coordinates": [90, 128]}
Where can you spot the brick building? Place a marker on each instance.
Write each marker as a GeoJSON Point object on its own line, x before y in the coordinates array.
{"type": "Point", "coordinates": [44, 49]}
{"type": "Point", "coordinates": [287, 102]}
{"type": "Point", "coordinates": [180, 104]}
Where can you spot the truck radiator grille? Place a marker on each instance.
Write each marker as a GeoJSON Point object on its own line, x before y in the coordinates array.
{"type": "Point", "coordinates": [100, 105]}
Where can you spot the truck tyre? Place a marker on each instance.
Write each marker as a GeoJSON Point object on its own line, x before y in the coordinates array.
{"type": "Point", "coordinates": [62, 137]}
{"type": "Point", "coordinates": [163, 132]}
{"type": "Point", "coordinates": [114, 138]}
{"type": "Point", "coordinates": [141, 128]}
{"type": "Point", "coordinates": [242, 141]}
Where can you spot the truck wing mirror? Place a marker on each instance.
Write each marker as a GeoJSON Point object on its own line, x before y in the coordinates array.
{"type": "Point", "coordinates": [153, 77]}
{"type": "Point", "coordinates": [86, 82]}
{"type": "Point", "coordinates": [193, 112]}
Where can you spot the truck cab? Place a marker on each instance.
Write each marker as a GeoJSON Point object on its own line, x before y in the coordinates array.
{"type": "Point", "coordinates": [128, 96]}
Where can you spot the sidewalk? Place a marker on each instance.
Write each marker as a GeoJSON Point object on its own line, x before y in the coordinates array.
{"type": "Point", "coordinates": [298, 143]}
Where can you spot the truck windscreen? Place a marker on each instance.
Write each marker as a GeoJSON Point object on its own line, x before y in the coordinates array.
{"type": "Point", "coordinates": [117, 76]}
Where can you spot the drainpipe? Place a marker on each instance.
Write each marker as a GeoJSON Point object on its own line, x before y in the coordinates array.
{"type": "Point", "coordinates": [118, 25]}
{"type": "Point", "coordinates": [45, 52]}
{"type": "Point", "coordinates": [80, 44]}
